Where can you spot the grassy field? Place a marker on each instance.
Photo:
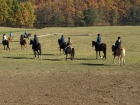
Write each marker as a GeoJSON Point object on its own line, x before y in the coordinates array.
{"type": "Point", "coordinates": [52, 80]}
{"type": "Point", "coordinates": [19, 61]}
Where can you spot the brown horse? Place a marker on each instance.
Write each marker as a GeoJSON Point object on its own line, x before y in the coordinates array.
{"type": "Point", "coordinates": [10, 39]}
{"type": "Point", "coordinates": [23, 42]}
{"type": "Point", "coordinates": [71, 52]}
{"type": "Point", "coordinates": [101, 47]}
{"type": "Point", "coordinates": [6, 43]}
{"type": "Point", "coordinates": [36, 48]}
{"type": "Point", "coordinates": [120, 52]}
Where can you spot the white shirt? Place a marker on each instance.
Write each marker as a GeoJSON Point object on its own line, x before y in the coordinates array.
{"type": "Point", "coordinates": [4, 37]}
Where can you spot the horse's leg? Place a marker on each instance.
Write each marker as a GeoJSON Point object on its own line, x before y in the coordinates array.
{"type": "Point", "coordinates": [38, 53]}
{"type": "Point", "coordinates": [8, 45]}
{"type": "Point", "coordinates": [66, 56]}
{"type": "Point", "coordinates": [4, 47]}
{"type": "Point", "coordinates": [119, 60]}
{"type": "Point", "coordinates": [96, 54]}
{"type": "Point", "coordinates": [114, 60]}
{"type": "Point", "coordinates": [99, 54]}
{"type": "Point", "coordinates": [35, 53]}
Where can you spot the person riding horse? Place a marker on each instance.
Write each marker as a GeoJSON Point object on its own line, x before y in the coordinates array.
{"type": "Point", "coordinates": [62, 39]}
{"type": "Point", "coordinates": [25, 34]}
{"type": "Point", "coordinates": [36, 41]}
{"type": "Point", "coordinates": [10, 35]}
{"type": "Point", "coordinates": [117, 44]}
{"type": "Point", "coordinates": [98, 40]}
{"type": "Point", "coordinates": [4, 37]}
{"type": "Point", "coordinates": [69, 43]}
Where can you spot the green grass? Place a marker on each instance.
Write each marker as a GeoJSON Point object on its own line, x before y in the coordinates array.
{"type": "Point", "coordinates": [22, 61]}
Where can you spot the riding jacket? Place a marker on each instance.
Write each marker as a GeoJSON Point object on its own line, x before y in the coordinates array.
{"type": "Point", "coordinates": [98, 40]}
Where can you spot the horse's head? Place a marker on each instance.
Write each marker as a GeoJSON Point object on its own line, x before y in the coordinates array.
{"type": "Point", "coordinates": [31, 41]}
{"type": "Point", "coordinates": [93, 43]}
{"type": "Point", "coordinates": [29, 34]}
{"type": "Point", "coordinates": [59, 41]}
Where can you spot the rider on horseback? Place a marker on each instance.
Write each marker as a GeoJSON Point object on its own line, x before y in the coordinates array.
{"type": "Point", "coordinates": [11, 35]}
{"type": "Point", "coordinates": [62, 39]}
{"type": "Point", "coordinates": [36, 42]}
{"type": "Point", "coordinates": [98, 40]}
{"type": "Point", "coordinates": [69, 43]}
{"type": "Point", "coordinates": [4, 37]}
{"type": "Point", "coordinates": [117, 44]}
{"type": "Point", "coordinates": [25, 34]}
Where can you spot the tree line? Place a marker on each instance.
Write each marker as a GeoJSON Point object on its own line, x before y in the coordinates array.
{"type": "Point", "coordinates": [42, 13]}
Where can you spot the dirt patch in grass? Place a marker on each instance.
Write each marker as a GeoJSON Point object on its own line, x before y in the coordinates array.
{"type": "Point", "coordinates": [100, 88]}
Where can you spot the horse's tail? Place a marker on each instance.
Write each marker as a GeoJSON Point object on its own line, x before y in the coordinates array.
{"type": "Point", "coordinates": [122, 52]}
{"type": "Point", "coordinates": [8, 44]}
{"type": "Point", "coordinates": [40, 49]}
{"type": "Point", "coordinates": [73, 52]}
{"type": "Point", "coordinates": [105, 48]}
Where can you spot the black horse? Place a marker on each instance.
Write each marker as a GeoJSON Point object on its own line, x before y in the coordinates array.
{"type": "Point", "coordinates": [27, 36]}
{"type": "Point", "coordinates": [62, 45]}
{"type": "Point", "coordinates": [101, 47]}
{"type": "Point", "coordinates": [6, 43]}
{"type": "Point", "coordinates": [36, 48]}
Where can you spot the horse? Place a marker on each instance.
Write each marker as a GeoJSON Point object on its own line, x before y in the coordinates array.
{"type": "Point", "coordinates": [10, 38]}
{"type": "Point", "coordinates": [101, 47]}
{"type": "Point", "coordinates": [62, 45]}
{"type": "Point", "coordinates": [6, 43]}
{"type": "Point", "coordinates": [36, 48]}
{"type": "Point", "coordinates": [23, 42]}
{"type": "Point", "coordinates": [120, 52]}
{"type": "Point", "coordinates": [70, 51]}
{"type": "Point", "coordinates": [27, 36]}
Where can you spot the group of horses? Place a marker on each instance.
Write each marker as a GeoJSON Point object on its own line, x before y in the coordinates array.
{"type": "Point", "coordinates": [36, 48]}
{"type": "Point", "coordinates": [120, 52]}
{"type": "Point", "coordinates": [23, 43]}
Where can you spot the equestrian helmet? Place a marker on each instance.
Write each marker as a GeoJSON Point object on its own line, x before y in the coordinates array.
{"type": "Point", "coordinates": [119, 37]}
{"type": "Point", "coordinates": [68, 37]}
{"type": "Point", "coordinates": [34, 35]}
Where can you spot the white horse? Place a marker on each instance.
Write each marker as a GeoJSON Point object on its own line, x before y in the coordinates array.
{"type": "Point", "coordinates": [120, 52]}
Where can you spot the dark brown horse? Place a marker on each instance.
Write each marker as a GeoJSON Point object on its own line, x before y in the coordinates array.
{"type": "Point", "coordinates": [23, 42]}
{"type": "Point", "coordinates": [6, 43]}
{"type": "Point", "coordinates": [62, 45]}
{"type": "Point", "coordinates": [101, 47]}
{"type": "Point", "coordinates": [120, 52]}
{"type": "Point", "coordinates": [36, 48]}
{"type": "Point", "coordinates": [71, 52]}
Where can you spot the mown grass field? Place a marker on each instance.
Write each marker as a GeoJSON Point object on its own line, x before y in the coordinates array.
{"type": "Point", "coordinates": [19, 61]}
{"type": "Point", "coordinates": [52, 80]}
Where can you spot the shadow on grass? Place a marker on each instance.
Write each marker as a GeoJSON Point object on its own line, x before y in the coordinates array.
{"type": "Point", "coordinates": [91, 64]}
{"type": "Point", "coordinates": [48, 54]}
{"type": "Point", "coordinates": [18, 57]}
{"type": "Point", "coordinates": [55, 59]}
{"type": "Point", "coordinates": [87, 59]}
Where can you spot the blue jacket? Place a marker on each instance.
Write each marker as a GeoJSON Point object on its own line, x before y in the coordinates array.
{"type": "Point", "coordinates": [10, 34]}
{"type": "Point", "coordinates": [98, 40]}
{"type": "Point", "coordinates": [62, 39]}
